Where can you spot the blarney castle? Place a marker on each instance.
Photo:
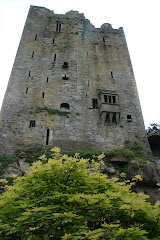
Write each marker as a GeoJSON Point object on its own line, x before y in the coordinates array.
{"type": "Point", "coordinates": [72, 86]}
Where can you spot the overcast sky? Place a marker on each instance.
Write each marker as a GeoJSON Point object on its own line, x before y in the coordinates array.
{"type": "Point", "coordinates": [139, 18]}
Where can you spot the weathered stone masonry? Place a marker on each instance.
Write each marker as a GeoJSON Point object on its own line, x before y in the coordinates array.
{"type": "Point", "coordinates": [71, 85]}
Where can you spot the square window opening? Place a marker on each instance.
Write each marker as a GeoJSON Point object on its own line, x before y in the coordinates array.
{"type": "Point", "coordinates": [129, 118]}
{"type": "Point", "coordinates": [65, 77]}
{"type": "Point", "coordinates": [32, 123]}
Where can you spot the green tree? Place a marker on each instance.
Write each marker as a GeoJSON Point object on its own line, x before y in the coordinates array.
{"type": "Point", "coordinates": [62, 198]}
{"type": "Point", "coordinates": [153, 128]}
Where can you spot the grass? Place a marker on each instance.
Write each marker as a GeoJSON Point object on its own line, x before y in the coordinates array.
{"type": "Point", "coordinates": [51, 111]}
{"type": "Point", "coordinates": [110, 154]}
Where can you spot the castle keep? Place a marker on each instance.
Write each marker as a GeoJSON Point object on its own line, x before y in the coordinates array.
{"type": "Point", "coordinates": [72, 86]}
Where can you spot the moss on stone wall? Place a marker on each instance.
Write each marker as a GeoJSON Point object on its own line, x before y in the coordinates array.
{"type": "Point", "coordinates": [51, 111]}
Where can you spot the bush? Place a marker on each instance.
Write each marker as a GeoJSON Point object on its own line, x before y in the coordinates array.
{"type": "Point", "coordinates": [61, 198]}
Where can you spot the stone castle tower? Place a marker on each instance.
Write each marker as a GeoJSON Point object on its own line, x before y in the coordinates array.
{"type": "Point", "coordinates": [72, 86]}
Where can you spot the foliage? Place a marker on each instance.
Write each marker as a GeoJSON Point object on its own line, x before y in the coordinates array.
{"type": "Point", "coordinates": [153, 128]}
{"type": "Point", "coordinates": [51, 111]}
{"type": "Point", "coordinates": [137, 150]}
{"type": "Point", "coordinates": [61, 198]}
{"type": "Point", "coordinates": [5, 161]}
{"type": "Point", "coordinates": [116, 152]}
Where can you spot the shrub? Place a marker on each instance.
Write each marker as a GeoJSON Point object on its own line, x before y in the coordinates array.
{"type": "Point", "coordinates": [61, 198]}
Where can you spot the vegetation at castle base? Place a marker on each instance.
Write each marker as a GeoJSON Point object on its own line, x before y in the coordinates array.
{"type": "Point", "coordinates": [5, 161]}
{"type": "Point", "coordinates": [138, 151]}
{"type": "Point", "coordinates": [51, 111]}
{"type": "Point", "coordinates": [109, 154]}
{"type": "Point", "coordinates": [61, 198]}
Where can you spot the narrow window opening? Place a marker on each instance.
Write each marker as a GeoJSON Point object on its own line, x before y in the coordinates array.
{"type": "Point", "coordinates": [105, 98]}
{"type": "Point", "coordinates": [129, 118]}
{"type": "Point", "coordinates": [114, 119]}
{"type": "Point", "coordinates": [65, 77]}
{"type": "Point", "coordinates": [29, 74]}
{"type": "Point", "coordinates": [65, 65]}
{"type": "Point", "coordinates": [54, 57]}
{"type": "Point", "coordinates": [107, 118]}
{"type": "Point", "coordinates": [32, 54]}
{"type": "Point", "coordinates": [112, 74]}
{"type": "Point", "coordinates": [35, 37]}
{"type": "Point", "coordinates": [32, 123]}
{"type": "Point", "coordinates": [43, 94]}
{"type": "Point", "coordinates": [95, 103]}
{"type": "Point", "coordinates": [47, 79]}
{"type": "Point", "coordinates": [103, 39]}
{"type": "Point", "coordinates": [53, 41]}
{"type": "Point", "coordinates": [114, 99]}
{"type": "Point", "coordinates": [110, 99]}
{"type": "Point", "coordinates": [64, 106]}
{"type": "Point", "coordinates": [47, 137]}
{"type": "Point", "coordinates": [27, 90]}
{"type": "Point", "coordinates": [59, 27]}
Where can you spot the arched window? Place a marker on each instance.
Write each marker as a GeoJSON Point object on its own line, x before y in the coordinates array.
{"type": "Point", "coordinates": [64, 106]}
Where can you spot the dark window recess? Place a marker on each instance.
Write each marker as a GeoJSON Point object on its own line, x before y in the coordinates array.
{"type": "Point", "coordinates": [53, 41]}
{"type": "Point", "coordinates": [129, 118]}
{"type": "Point", "coordinates": [110, 99]}
{"type": "Point", "coordinates": [114, 99]}
{"type": "Point", "coordinates": [104, 40]}
{"type": "Point", "coordinates": [111, 74]}
{"type": "Point", "coordinates": [29, 74]}
{"type": "Point", "coordinates": [58, 27]}
{"type": "Point", "coordinates": [32, 54]}
{"type": "Point", "coordinates": [32, 123]}
{"type": "Point", "coordinates": [47, 137]}
{"type": "Point", "coordinates": [105, 98]}
{"type": "Point", "coordinates": [112, 118]}
{"type": "Point", "coordinates": [95, 103]}
{"type": "Point", "coordinates": [47, 79]}
{"type": "Point", "coordinates": [65, 77]}
{"type": "Point", "coordinates": [65, 65]}
{"type": "Point", "coordinates": [43, 94]}
{"type": "Point", "coordinates": [27, 90]}
{"type": "Point", "coordinates": [54, 57]}
{"type": "Point", "coordinates": [35, 37]}
{"type": "Point", "coordinates": [107, 118]}
{"type": "Point", "coordinates": [64, 106]}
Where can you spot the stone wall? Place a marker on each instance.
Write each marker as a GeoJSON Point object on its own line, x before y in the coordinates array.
{"type": "Point", "coordinates": [72, 86]}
